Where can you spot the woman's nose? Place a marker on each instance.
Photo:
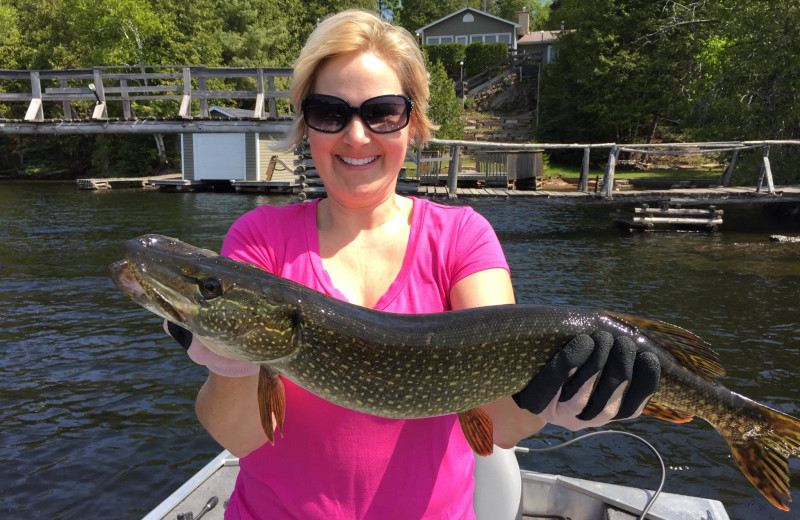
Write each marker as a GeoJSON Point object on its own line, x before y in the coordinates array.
{"type": "Point", "coordinates": [356, 132]}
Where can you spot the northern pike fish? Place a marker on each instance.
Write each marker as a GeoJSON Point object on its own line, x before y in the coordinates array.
{"type": "Point", "coordinates": [407, 366]}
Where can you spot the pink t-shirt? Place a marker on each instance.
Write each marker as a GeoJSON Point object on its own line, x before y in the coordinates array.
{"type": "Point", "coordinates": [335, 463]}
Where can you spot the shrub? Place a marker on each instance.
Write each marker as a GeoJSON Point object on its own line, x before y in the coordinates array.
{"type": "Point", "coordinates": [449, 54]}
{"type": "Point", "coordinates": [480, 56]}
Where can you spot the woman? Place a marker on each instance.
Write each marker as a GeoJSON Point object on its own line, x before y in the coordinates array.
{"type": "Point", "coordinates": [361, 89]}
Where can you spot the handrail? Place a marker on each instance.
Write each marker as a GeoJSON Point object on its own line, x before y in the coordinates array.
{"type": "Point", "coordinates": [132, 84]}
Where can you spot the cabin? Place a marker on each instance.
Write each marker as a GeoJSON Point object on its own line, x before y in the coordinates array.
{"type": "Point", "coordinates": [469, 25]}
{"type": "Point", "coordinates": [227, 156]}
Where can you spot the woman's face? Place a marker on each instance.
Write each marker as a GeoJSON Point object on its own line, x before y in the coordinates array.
{"type": "Point", "coordinates": [359, 167]}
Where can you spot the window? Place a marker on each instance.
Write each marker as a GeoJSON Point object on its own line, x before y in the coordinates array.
{"type": "Point", "coordinates": [468, 18]}
{"type": "Point", "coordinates": [432, 40]}
{"type": "Point", "coordinates": [491, 38]}
{"type": "Point", "coordinates": [461, 39]}
{"type": "Point", "coordinates": [446, 39]}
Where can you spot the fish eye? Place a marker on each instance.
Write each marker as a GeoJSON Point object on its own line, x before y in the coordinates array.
{"type": "Point", "coordinates": [210, 288]}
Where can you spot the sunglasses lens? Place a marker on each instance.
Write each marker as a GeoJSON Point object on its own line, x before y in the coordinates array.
{"type": "Point", "coordinates": [385, 114]}
{"type": "Point", "coordinates": [382, 114]}
{"type": "Point", "coordinates": [326, 114]}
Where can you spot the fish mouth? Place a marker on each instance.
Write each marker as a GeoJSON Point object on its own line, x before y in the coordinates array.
{"type": "Point", "coordinates": [126, 279]}
{"type": "Point", "coordinates": [153, 275]}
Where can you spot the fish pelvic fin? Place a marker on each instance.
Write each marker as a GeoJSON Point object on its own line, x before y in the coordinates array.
{"type": "Point", "coordinates": [762, 452]}
{"type": "Point", "coordinates": [478, 430]}
{"type": "Point", "coordinates": [271, 402]}
{"type": "Point", "coordinates": [689, 350]}
{"type": "Point", "coordinates": [660, 411]}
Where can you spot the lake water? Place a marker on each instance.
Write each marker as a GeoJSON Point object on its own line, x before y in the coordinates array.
{"type": "Point", "coordinates": [97, 416]}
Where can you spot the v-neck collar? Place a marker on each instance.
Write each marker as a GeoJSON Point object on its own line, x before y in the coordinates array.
{"type": "Point", "coordinates": [324, 278]}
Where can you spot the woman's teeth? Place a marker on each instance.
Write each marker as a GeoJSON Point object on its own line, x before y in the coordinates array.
{"type": "Point", "coordinates": [354, 161]}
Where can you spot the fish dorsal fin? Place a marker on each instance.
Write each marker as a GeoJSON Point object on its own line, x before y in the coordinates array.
{"type": "Point", "coordinates": [690, 352]}
{"type": "Point", "coordinates": [478, 430]}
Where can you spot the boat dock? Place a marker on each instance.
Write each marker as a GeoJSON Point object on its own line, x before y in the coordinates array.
{"type": "Point", "coordinates": [126, 182]}
{"type": "Point", "coordinates": [715, 195]}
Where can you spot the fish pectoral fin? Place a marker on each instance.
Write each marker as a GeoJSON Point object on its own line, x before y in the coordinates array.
{"type": "Point", "coordinates": [659, 411]}
{"type": "Point", "coordinates": [478, 430]}
{"type": "Point", "coordinates": [271, 402]}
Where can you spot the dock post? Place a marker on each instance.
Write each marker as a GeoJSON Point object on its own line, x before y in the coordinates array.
{"type": "Point", "coordinates": [202, 85]}
{"type": "Point", "coordinates": [258, 111]}
{"type": "Point", "coordinates": [100, 110]}
{"type": "Point", "coordinates": [583, 182]}
{"type": "Point", "coordinates": [725, 178]}
{"type": "Point", "coordinates": [65, 104]}
{"type": "Point", "coordinates": [768, 172]}
{"type": "Point", "coordinates": [608, 178]}
{"type": "Point", "coordinates": [186, 101]}
{"type": "Point", "coordinates": [452, 173]}
{"type": "Point", "coordinates": [273, 105]}
{"type": "Point", "coordinates": [127, 111]}
{"type": "Point", "coordinates": [35, 111]}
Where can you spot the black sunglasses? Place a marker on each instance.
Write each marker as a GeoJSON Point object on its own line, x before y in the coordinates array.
{"type": "Point", "coordinates": [382, 114]}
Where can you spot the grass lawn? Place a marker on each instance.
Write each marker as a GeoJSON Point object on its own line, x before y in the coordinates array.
{"type": "Point", "coordinates": [574, 172]}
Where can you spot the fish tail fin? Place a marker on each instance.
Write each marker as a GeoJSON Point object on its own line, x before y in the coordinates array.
{"type": "Point", "coordinates": [763, 452]}
{"type": "Point", "coordinates": [271, 402]}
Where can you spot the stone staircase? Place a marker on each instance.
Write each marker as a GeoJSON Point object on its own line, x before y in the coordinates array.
{"type": "Point", "coordinates": [502, 129]}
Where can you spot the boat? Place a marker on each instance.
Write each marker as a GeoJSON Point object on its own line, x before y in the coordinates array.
{"type": "Point", "coordinates": [503, 491]}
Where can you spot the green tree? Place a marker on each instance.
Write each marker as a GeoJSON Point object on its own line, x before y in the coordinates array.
{"type": "Point", "coordinates": [622, 68]}
{"type": "Point", "coordinates": [10, 43]}
{"type": "Point", "coordinates": [445, 107]}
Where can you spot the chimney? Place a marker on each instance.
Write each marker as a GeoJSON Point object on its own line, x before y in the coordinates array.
{"type": "Point", "coordinates": [524, 22]}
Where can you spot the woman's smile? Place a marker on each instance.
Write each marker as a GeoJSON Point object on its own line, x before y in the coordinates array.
{"type": "Point", "coordinates": [358, 161]}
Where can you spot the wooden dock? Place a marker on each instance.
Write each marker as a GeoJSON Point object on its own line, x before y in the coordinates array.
{"type": "Point", "coordinates": [126, 182]}
{"type": "Point", "coordinates": [669, 215]}
{"type": "Point", "coordinates": [715, 195]}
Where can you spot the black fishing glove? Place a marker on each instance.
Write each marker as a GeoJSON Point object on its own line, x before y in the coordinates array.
{"type": "Point", "coordinates": [179, 334]}
{"type": "Point", "coordinates": [582, 385]}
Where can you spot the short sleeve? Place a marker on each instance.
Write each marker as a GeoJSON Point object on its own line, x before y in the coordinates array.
{"type": "Point", "coordinates": [247, 240]}
{"type": "Point", "coordinates": [476, 247]}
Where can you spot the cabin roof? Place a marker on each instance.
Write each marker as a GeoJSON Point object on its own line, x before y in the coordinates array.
{"type": "Point", "coordinates": [476, 11]}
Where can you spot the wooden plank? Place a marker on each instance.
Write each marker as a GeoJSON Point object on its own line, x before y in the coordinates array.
{"type": "Point", "coordinates": [201, 82]}
{"type": "Point", "coordinates": [99, 112]}
{"type": "Point", "coordinates": [677, 211]}
{"type": "Point", "coordinates": [186, 101]}
{"type": "Point", "coordinates": [258, 111]}
{"type": "Point", "coordinates": [127, 112]}
{"type": "Point", "coordinates": [14, 96]}
{"type": "Point", "coordinates": [35, 111]}
{"type": "Point", "coordinates": [65, 106]}
{"type": "Point", "coordinates": [678, 221]}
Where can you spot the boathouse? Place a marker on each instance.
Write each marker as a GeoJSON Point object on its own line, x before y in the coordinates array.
{"type": "Point", "coordinates": [226, 156]}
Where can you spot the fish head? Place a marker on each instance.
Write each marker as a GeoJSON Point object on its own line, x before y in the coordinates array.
{"type": "Point", "coordinates": [235, 309]}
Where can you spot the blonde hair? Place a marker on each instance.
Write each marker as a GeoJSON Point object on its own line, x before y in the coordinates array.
{"type": "Point", "coordinates": [355, 31]}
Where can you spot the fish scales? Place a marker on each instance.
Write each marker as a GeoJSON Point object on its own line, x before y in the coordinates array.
{"type": "Point", "coordinates": [406, 366]}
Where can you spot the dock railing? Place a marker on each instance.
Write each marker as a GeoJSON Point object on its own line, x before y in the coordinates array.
{"type": "Point", "coordinates": [132, 87]}
{"type": "Point", "coordinates": [456, 147]}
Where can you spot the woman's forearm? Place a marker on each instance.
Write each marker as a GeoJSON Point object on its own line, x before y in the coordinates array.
{"type": "Point", "coordinates": [228, 409]}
